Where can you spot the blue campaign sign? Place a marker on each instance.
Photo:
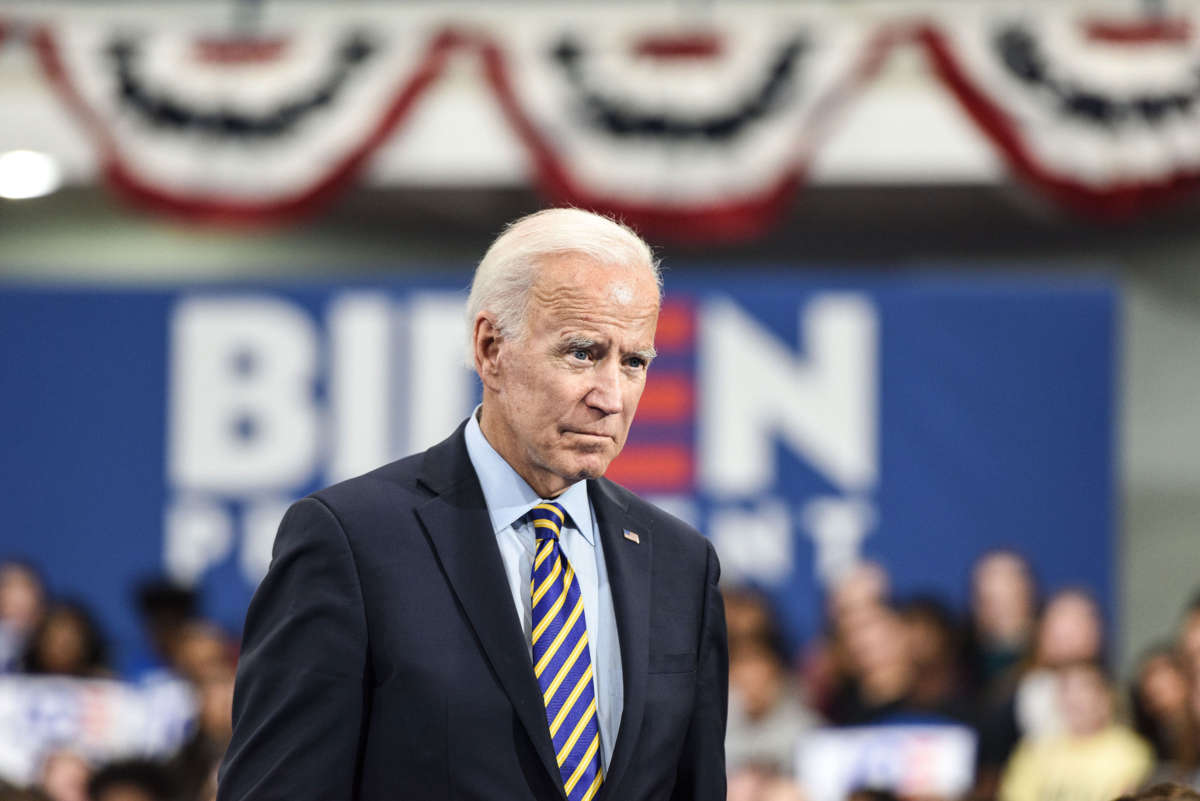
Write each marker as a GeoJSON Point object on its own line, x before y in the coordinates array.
{"type": "Point", "coordinates": [802, 423]}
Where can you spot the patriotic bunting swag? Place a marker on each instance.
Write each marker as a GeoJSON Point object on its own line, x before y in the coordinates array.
{"type": "Point", "coordinates": [1105, 117]}
{"type": "Point", "coordinates": [697, 132]}
{"type": "Point", "coordinates": [703, 133]}
{"type": "Point", "coordinates": [237, 130]}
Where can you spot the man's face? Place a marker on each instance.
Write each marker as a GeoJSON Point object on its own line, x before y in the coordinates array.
{"type": "Point", "coordinates": [565, 392]}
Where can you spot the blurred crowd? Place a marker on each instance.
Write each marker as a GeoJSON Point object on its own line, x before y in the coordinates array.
{"type": "Point", "coordinates": [44, 636]}
{"type": "Point", "coordinates": [1027, 675]}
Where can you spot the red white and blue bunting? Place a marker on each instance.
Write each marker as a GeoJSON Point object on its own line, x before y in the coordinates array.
{"type": "Point", "coordinates": [238, 130]}
{"type": "Point", "coordinates": [696, 131]}
{"type": "Point", "coordinates": [1103, 116]}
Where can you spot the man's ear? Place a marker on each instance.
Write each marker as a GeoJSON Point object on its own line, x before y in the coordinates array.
{"type": "Point", "coordinates": [487, 339]}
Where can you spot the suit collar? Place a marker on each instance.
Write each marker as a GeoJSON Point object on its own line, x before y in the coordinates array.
{"type": "Point", "coordinates": [454, 518]}
{"type": "Point", "coordinates": [628, 563]}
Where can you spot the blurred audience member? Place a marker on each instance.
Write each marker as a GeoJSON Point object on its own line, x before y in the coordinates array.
{"type": "Point", "coordinates": [882, 683]}
{"type": "Point", "coordinates": [22, 604]}
{"type": "Point", "coordinates": [890, 665]}
{"type": "Point", "coordinates": [756, 784]}
{"type": "Point", "coordinates": [1184, 771]}
{"type": "Point", "coordinates": [64, 776]}
{"type": "Point", "coordinates": [748, 615]}
{"type": "Point", "coordinates": [1189, 636]}
{"type": "Point", "coordinates": [861, 590]}
{"type": "Point", "coordinates": [164, 608]}
{"type": "Point", "coordinates": [1093, 759]}
{"type": "Point", "coordinates": [766, 712]}
{"type": "Point", "coordinates": [205, 658]}
{"type": "Point", "coordinates": [826, 667]}
{"type": "Point", "coordinates": [1071, 630]}
{"type": "Point", "coordinates": [131, 780]}
{"type": "Point", "coordinates": [201, 649]}
{"type": "Point", "coordinates": [67, 642]}
{"type": "Point", "coordinates": [1162, 712]}
{"type": "Point", "coordinates": [934, 646]}
{"type": "Point", "coordinates": [1024, 704]}
{"type": "Point", "coordinates": [879, 663]}
{"type": "Point", "coordinates": [1003, 616]}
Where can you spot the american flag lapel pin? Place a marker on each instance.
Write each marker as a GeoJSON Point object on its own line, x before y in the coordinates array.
{"type": "Point", "coordinates": [633, 537]}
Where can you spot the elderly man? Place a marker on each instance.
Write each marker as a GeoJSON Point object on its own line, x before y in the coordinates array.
{"type": "Point", "coordinates": [492, 619]}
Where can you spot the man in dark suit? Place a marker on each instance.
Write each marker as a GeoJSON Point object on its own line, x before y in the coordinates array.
{"type": "Point", "coordinates": [493, 619]}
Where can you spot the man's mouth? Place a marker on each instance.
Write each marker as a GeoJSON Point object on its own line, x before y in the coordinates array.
{"type": "Point", "coordinates": [589, 434]}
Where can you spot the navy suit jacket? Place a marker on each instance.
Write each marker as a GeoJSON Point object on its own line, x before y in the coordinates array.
{"type": "Point", "coordinates": [382, 657]}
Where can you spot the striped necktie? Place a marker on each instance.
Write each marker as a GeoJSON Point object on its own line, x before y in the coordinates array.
{"type": "Point", "coordinates": [561, 658]}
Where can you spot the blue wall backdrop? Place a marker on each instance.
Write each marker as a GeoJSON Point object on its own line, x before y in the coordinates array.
{"type": "Point", "coordinates": [802, 423]}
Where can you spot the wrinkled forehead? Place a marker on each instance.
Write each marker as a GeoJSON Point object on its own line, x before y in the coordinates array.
{"type": "Point", "coordinates": [564, 275]}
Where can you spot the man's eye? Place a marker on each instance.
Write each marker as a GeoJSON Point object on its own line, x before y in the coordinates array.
{"type": "Point", "coordinates": [581, 354]}
{"type": "Point", "coordinates": [636, 362]}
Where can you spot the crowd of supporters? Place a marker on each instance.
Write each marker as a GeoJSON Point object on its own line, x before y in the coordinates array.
{"type": "Point", "coordinates": [42, 636]}
{"type": "Point", "coordinates": [1027, 675]}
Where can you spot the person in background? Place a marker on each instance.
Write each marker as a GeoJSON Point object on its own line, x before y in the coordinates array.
{"type": "Point", "coordinates": [67, 642]}
{"type": "Point", "coordinates": [1071, 630]}
{"type": "Point", "coordinates": [1003, 617]}
{"type": "Point", "coordinates": [934, 647]}
{"type": "Point", "coordinates": [883, 659]}
{"type": "Point", "coordinates": [864, 588]}
{"type": "Point", "coordinates": [763, 785]}
{"type": "Point", "coordinates": [131, 780]}
{"type": "Point", "coordinates": [1190, 773]}
{"type": "Point", "coordinates": [204, 656]}
{"type": "Point", "coordinates": [164, 608]}
{"type": "Point", "coordinates": [1162, 712]}
{"type": "Point", "coordinates": [748, 615]}
{"type": "Point", "coordinates": [1189, 635]}
{"type": "Point", "coordinates": [1094, 759]}
{"type": "Point", "coordinates": [767, 713]}
{"type": "Point", "coordinates": [827, 670]}
{"type": "Point", "coordinates": [879, 668]}
{"type": "Point", "coordinates": [201, 650]}
{"type": "Point", "coordinates": [64, 775]}
{"type": "Point", "coordinates": [22, 604]}
{"type": "Point", "coordinates": [1024, 704]}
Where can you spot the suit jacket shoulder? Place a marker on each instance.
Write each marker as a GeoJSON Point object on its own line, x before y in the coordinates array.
{"type": "Point", "coordinates": [396, 481]}
{"type": "Point", "coordinates": [383, 499]}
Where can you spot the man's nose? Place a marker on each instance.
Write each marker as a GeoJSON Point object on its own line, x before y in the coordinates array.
{"type": "Point", "coordinates": [605, 394]}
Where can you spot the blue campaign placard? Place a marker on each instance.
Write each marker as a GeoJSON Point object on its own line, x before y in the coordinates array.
{"type": "Point", "coordinates": [802, 422]}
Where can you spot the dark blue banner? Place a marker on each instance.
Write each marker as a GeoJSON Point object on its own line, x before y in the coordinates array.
{"type": "Point", "coordinates": [802, 423]}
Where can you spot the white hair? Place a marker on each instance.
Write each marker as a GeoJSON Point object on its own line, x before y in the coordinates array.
{"type": "Point", "coordinates": [509, 268]}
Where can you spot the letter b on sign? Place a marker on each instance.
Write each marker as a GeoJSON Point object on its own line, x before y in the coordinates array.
{"type": "Point", "coordinates": [242, 412]}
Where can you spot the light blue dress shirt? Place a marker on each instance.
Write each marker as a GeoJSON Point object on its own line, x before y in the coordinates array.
{"type": "Point", "coordinates": [509, 498]}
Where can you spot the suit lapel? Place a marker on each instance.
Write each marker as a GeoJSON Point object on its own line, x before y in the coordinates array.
{"type": "Point", "coordinates": [628, 565]}
{"type": "Point", "coordinates": [457, 522]}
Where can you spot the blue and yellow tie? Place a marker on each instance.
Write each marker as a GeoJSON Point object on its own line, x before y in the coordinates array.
{"type": "Point", "coordinates": [561, 658]}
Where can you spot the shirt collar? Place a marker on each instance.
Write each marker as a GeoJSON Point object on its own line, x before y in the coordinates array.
{"type": "Point", "coordinates": [508, 496]}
